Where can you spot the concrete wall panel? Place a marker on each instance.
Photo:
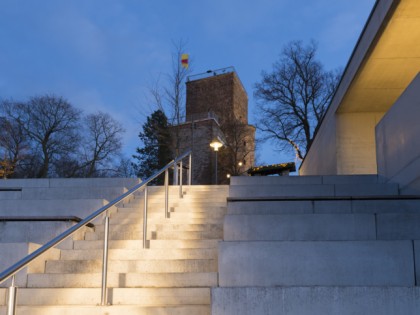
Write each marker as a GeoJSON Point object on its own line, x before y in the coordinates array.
{"type": "Point", "coordinates": [398, 141]}
{"type": "Point", "coordinates": [356, 153]}
{"type": "Point", "coordinates": [350, 263]}
{"type": "Point", "coordinates": [316, 301]}
{"type": "Point", "coordinates": [299, 227]}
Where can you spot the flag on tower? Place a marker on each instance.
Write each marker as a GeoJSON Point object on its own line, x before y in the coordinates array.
{"type": "Point", "coordinates": [184, 60]}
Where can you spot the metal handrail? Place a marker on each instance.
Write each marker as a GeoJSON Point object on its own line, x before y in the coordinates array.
{"type": "Point", "coordinates": [14, 269]}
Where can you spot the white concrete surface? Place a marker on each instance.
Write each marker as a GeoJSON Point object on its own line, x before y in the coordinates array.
{"type": "Point", "coordinates": [324, 190]}
{"type": "Point", "coordinates": [398, 141]}
{"type": "Point", "coordinates": [305, 180]}
{"type": "Point", "coordinates": [111, 310]}
{"type": "Point", "coordinates": [398, 226]}
{"type": "Point", "coordinates": [316, 301]}
{"type": "Point", "coordinates": [63, 193]}
{"type": "Point", "coordinates": [281, 190]}
{"type": "Point", "coordinates": [321, 263]}
{"type": "Point", "coordinates": [55, 207]}
{"type": "Point", "coordinates": [356, 150]}
{"type": "Point", "coordinates": [299, 227]}
{"type": "Point", "coordinates": [32, 231]}
{"type": "Point", "coordinates": [385, 206]}
{"type": "Point", "coordinates": [69, 182]}
{"type": "Point", "coordinates": [118, 296]}
{"type": "Point", "coordinates": [270, 207]}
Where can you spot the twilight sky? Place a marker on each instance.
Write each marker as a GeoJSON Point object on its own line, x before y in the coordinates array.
{"type": "Point", "coordinates": [105, 54]}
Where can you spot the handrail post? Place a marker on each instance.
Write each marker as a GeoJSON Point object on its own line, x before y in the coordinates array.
{"type": "Point", "coordinates": [190, 169]}
{"type": "Point", "coordinates": [180, 180]}
{"type": "Point", "coordinates": [104, 290]}
{"type": "Point", "coordinates": [175, 179]}
{"type": "Point", "coordinates": [11, 301]}
{"type": "Point", "coordinates": [166, 194]}
{"type": "Point", "coordinates": [145, 218]}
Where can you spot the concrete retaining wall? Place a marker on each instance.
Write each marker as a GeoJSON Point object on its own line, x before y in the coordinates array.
{"type": "Point", "coordinates": [398, 141]}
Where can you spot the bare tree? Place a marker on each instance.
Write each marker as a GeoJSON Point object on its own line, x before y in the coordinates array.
{"type": "Point", "coordinates": [14, 145]}
{"type": "Point", "coordinates": [239, 148]}
{"type": "Point", "coordinates": [125, 168]}
{"type": "Point", "coordinates": [49, 123]}
{"type": "Point", "coordinates": [169, 96]}
{"type": "Point", "coordinates": [294, 97]}
{"type": "Point", "coordinates": [103, 142]}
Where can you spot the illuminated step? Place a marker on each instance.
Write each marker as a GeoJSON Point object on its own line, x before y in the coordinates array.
{"type": "Point", "coordinates": [133, 254]}
{"type": "Point", "coordinates": [127, 280]}
{"type": "Point", "coordinates": [168, 226]}
{"type": "Point", "coordinates": [135, 244]}
{"type": "Point", "coordinates": [112, 310]}
{"type": "Point", "coordinates": [176, 235]}
{"type": "Point", "coordinates": [133, 266]}
{"type": "Point", "coordinates": [116, 296]}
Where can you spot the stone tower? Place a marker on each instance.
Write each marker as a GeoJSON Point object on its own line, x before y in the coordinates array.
{"type": "Point", "coordinates": [217, 107]}
{"type": "Point", "coordinates": [222, 94]}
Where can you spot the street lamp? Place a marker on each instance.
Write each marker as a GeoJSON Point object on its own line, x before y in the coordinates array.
{"type": "Point", "coordinates": [216, 144]}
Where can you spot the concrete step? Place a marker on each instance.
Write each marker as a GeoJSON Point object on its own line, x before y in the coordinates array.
{"type": "Point", "coordinates": [189, 189]}
{"type": "Point", "coordinates": [305, 180]}
{"type": "Point", "coordinates": [136, 244]}
{"type": "Point", "coordinates": [111, 310]}
{"type": "Point", "coordinates": [349, 205]}
{"type": "Point", "coordinates": [126, 280]}
{"type": "Point", "coordinates": [319, 263]}
{"type": "Point", "coordinates": [160, 210]}
{"type": "Point", "coordinates": [75, 207]}
{"type": "Point", "coordinates": [65, 193]}
{"type": "Point", "coordinates": [10, 253]}
{"type": "Point", "coordinates": [116, 296]}
{"type": "Point", "coordinates": [179, 235]}
{"type": "Point", "coordinates": [70, 182]}
{"type": "Point", "coordinates": [325, 190]}
{"type": "Point", "coordinates": [322, 300]}
{"type": "Point", "coordinates": [164, 235]}
{"type": "Point", "coordinates": [194, 198]}
{"type": "Point", "coordinates": [39, 232]}
{"type": "Point", "coordinates": [191, 204]}
{"type": "Point", "coordinates": [199, 215]}
{"type": "Point", "coordinates": [123, 219]}
{"type": "Point", "coordinates": [169, 226]}
{"type": "Point", "coordinates": [398, 226]}
{"type": "Point", "coordinates": [189, 227]}
{"type": "Point", "coordinates": [152, 225]}
{"type": "Point", "coordinates": [300, 227]}
{"type": "Point", "coordinates": [133, 266]}
{"type": "Point", "coordinates": [214, 208]}
{"type": "Point", "coordinates": [140, 254]}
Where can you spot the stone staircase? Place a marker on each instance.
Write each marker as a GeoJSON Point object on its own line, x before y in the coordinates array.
{"type": "Point", "coordinates": [283, 246]}
{"type": "Point", "coordinates": [318, 245]}
{"type": "Point", "coordinates": [173, 276]}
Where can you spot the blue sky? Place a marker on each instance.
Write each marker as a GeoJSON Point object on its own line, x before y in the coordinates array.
{"type": "Point", "coordinates": [105, 54]}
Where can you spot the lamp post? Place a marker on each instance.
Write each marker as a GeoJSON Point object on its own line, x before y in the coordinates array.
{"type": "Point", "coordinates": [216, 144]}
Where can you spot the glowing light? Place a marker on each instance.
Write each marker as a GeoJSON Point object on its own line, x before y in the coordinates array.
{"type": "Point", "coordinates": [216, 144]}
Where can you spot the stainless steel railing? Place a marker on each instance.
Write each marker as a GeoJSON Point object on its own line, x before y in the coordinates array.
{"type": "Point", "coordinates": [24, 262]}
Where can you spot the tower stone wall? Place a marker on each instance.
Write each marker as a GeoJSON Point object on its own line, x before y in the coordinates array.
{"type": "Point", "coordinates": [222, 94]}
